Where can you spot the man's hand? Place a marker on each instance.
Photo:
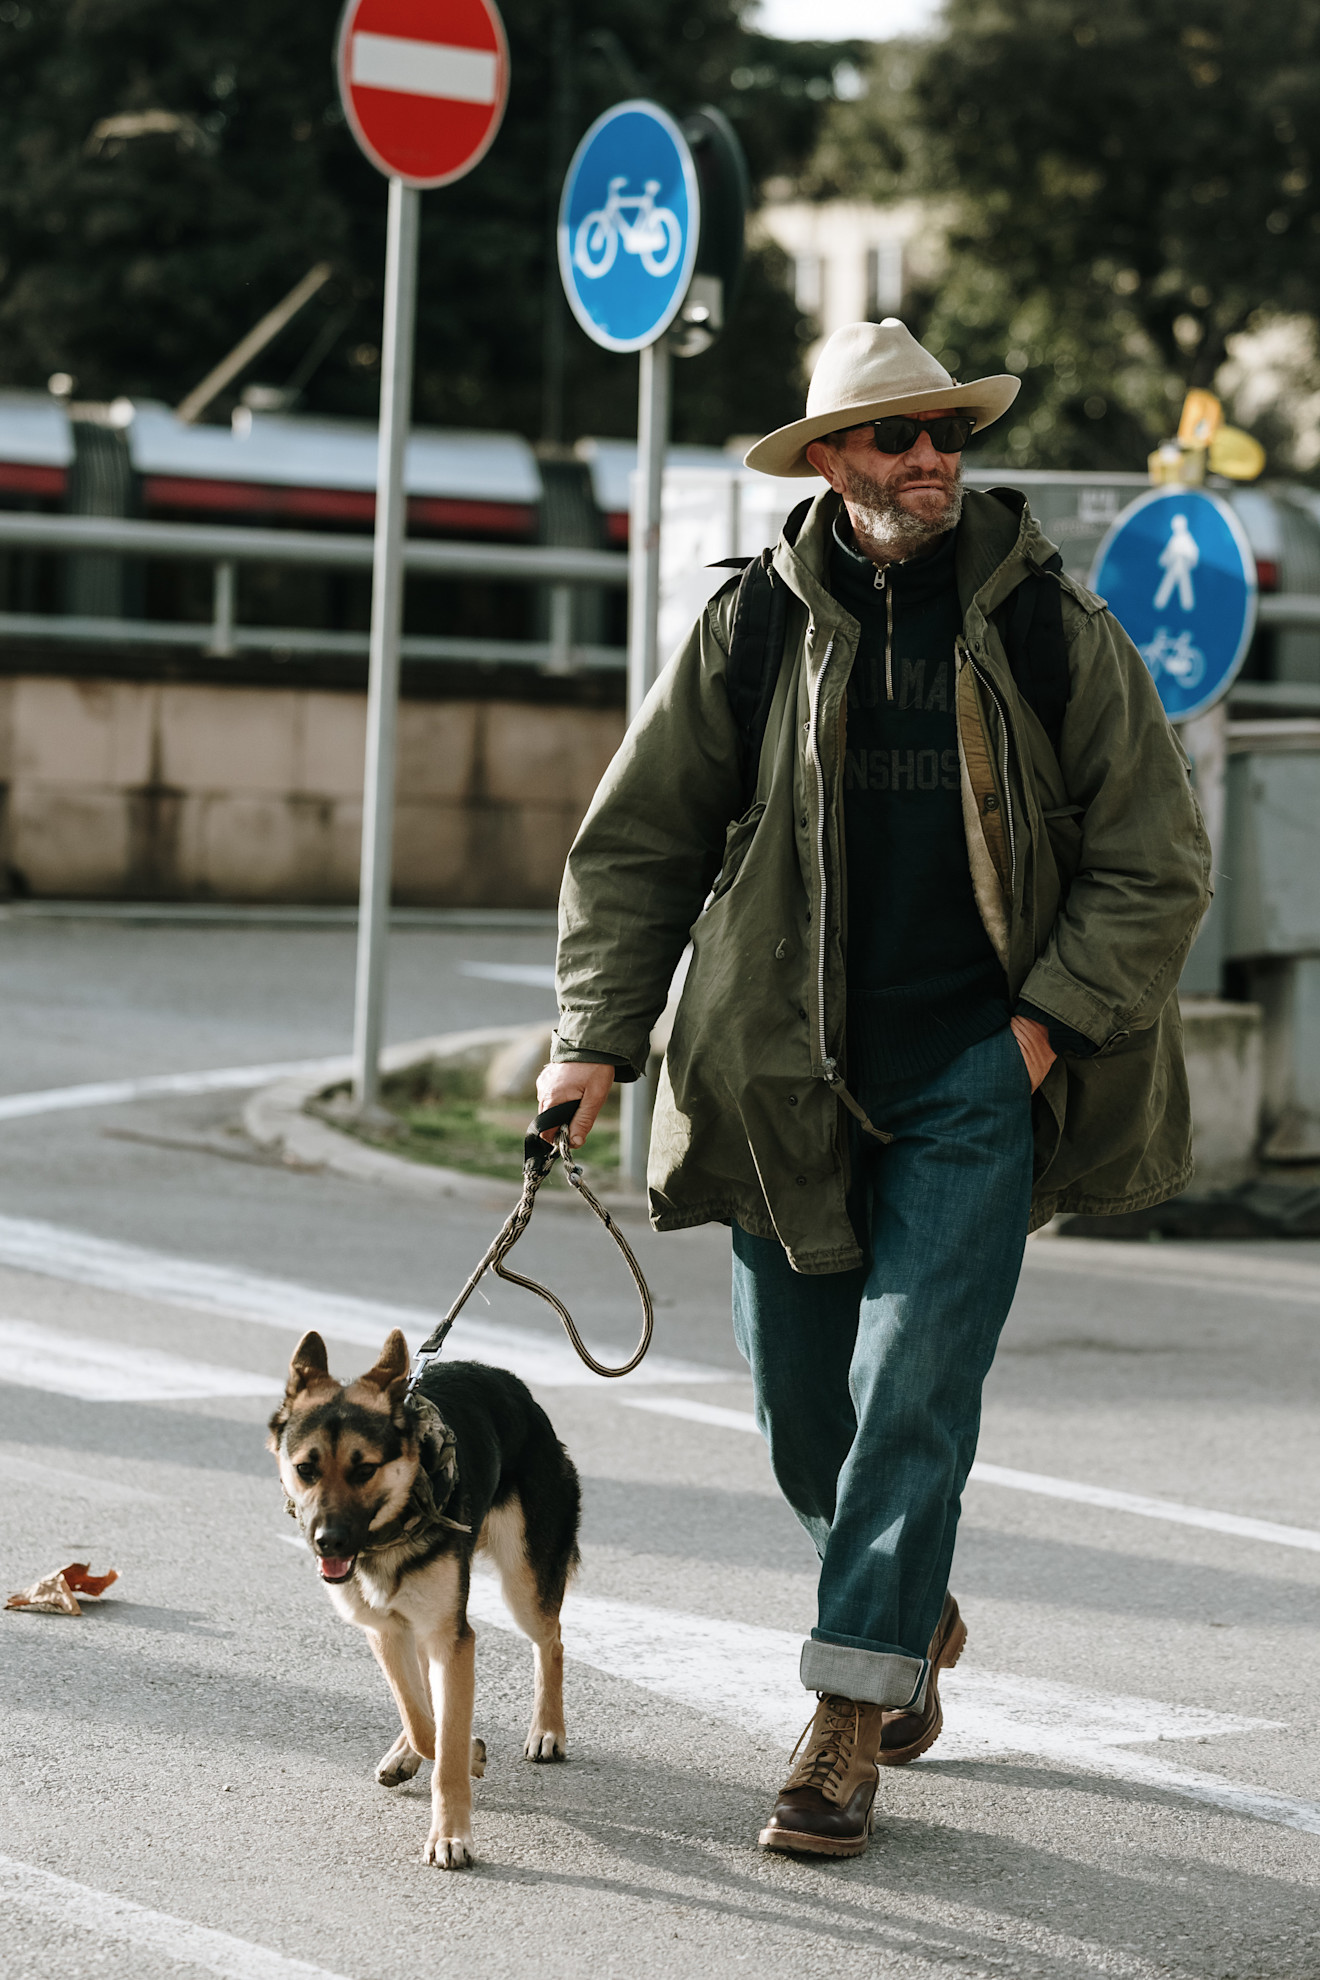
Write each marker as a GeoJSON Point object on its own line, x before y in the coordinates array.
{"type": "Point", "coordinates": [589, 1085]}
{"type": "Point", "coordinates": [1034, 1041]}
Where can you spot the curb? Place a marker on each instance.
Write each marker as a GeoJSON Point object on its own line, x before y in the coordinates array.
{"type": "Point", "coordinates": [275, 1120]}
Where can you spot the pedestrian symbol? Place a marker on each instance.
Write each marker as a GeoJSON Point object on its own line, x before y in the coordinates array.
{"type": "Point", "coordinates": [1178, 559]}
{"type": "Point", "coordinates": [1178, 574]}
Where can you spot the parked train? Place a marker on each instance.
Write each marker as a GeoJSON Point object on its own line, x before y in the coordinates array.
{"type": "Point", "coordinates": [295, 470]}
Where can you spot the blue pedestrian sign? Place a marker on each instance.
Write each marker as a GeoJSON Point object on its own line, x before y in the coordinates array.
{"type": "Point", "coordinates": [1178, 574]}
{"type": "Point", "coordinates": [629, 219]}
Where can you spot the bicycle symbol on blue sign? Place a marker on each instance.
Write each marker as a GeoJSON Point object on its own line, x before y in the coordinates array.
{"type": "Point", "coordinates": [624, 300]}
{"type": "Point", "coordinates": [653, 234]}
{"type": "Point", "coordinates": [1179, 575]}
{"type": "Point", "coordinates": [1176, 655]}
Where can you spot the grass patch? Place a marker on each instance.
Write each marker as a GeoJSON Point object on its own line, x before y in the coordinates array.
{"type": "Point", "coordinates": [440, 1115]}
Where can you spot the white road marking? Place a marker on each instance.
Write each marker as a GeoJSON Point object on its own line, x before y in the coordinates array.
{"type": "Point", "coordinates": [1134, 1502]}
{"type": "Point", "coordinates": [1039, 1482]}
{"type": "Point", "coordinates": [1241, 1276]}
{"type": "Point", "coordinates": [695, 1412]}
{"type": "Point", "coordinates": [82, 1485]}
{"type": "Point", "coordinates": [35, 1357]}
{"type": "Point", "coordinates": [546, 1359]}
{"type": "Point", "coordinates": [115, 1092]}
{"type": "Point", "coordinates": [540, 976]}
{"type": "Point", "coordinates": [748, 1676]}
{"type": "Point", "coordinates": [424, 68]}
{"type": "Point", "coordinates": [103, 1916]}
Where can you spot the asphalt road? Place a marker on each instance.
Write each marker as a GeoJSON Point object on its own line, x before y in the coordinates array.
{"type": "Point", "coordinates": [1129, 1780]}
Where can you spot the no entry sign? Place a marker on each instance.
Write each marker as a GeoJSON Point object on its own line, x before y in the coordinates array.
{"type": "Point", "coordinates": [423, 84]}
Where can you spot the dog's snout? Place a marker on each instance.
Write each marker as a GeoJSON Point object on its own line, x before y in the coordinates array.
{"type": "Point", "coordinates": [332, 1540]}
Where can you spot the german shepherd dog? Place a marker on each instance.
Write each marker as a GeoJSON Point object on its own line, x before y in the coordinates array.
{"type": "Point", "coordinates": [395, 1493]}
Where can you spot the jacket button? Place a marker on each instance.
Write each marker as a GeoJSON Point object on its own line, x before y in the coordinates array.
{"type": "Point", "coordinates": [802, 1014]}
{"type": "Point", "coordinates": [792, 1099]}
{"type": "Point", "coordinates": [801, 1181]}
{"type": "Point", "coordinates": [802, 821]}
{"type": "Point", "coordinates": [991, 803]}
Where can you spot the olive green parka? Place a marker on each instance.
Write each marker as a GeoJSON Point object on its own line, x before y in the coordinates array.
{"type": "Point", "coordinates": [1090, 871]}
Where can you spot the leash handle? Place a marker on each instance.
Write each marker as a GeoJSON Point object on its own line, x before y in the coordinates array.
{"type": "Point", "coordinates": [538, 1159]}
{"type": "Point", "coordinates": [535, 1148]}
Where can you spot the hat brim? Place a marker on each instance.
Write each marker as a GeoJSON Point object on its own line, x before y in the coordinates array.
{"type": "Point", "coordinates": [784, 451]}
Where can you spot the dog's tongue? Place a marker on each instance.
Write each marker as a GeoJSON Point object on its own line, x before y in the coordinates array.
{"type": "Point", "coordinates": [332, 1570]}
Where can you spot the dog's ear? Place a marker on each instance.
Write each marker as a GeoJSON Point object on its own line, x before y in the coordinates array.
{"type": "Point", "coordinates": [308, 1364]}
{"type": "Point", "coordinates": [392, 1366]}
{"type": "Point", "coordinates": [309, 1361]}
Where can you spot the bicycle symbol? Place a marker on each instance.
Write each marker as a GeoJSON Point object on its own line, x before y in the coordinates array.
{"type": "Point", "coordinates": [653, 233]}
{"type": "Point", "coordinates": [1176, 655]}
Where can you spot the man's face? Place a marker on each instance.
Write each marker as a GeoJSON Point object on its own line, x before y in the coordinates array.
{"type": "Point", "coordinates": [905, 497]}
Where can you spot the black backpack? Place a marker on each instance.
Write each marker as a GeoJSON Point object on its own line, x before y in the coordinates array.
{"type": "Point", "coordinates": [1030, 624]}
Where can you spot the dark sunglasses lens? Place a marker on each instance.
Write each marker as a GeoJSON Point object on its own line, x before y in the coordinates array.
{"type": "Point", "coordinates": [950, 436]}
{"type": "Point", "coordinates": [896, 433]}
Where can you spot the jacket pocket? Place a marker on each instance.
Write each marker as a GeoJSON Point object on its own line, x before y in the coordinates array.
{"type": "Point", "coordinates": [737, 845]}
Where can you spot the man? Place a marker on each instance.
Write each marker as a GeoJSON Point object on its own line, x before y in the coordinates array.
{"type": "Point", "coordinates": [941, 903]}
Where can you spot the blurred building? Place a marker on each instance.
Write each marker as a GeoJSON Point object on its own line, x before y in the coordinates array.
{"type": "Point", "coordinates": [851, 261]}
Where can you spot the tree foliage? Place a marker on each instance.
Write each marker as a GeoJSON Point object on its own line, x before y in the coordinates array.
{"type": "Point", "coordinates": [1127, 188]}
{"type": "Point", "coordinates": [169, 168]}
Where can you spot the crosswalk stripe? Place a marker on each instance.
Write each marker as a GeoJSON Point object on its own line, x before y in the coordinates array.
{"type": "Point", "coordinates": [58, 1253]}
{"type": "Point", "coordinates": [104, 1916]}
{"type": "Point", "coordinates": [748, 1676]}
{"type": "Point", "coordinates": [95, 1370]}
{"type": "Point", "coordinates": [1039, 1482]}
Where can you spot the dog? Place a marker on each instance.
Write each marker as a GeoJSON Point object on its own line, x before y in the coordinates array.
{"type": "Point", "coordinates": [395, 1492]}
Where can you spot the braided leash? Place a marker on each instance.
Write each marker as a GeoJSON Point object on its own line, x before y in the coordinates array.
{"type": "Point", "coordinates": [538, 1160]}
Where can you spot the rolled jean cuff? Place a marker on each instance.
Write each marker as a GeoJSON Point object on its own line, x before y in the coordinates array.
{"type": "Point", "coordinates": [873, 1677]}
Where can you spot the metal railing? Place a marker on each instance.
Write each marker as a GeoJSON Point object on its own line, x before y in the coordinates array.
{"type": "Point", "coordinates": [225, 548]}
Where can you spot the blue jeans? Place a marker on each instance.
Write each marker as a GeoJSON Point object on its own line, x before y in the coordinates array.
{"type": "Point", "coordinates": [868, 1382]}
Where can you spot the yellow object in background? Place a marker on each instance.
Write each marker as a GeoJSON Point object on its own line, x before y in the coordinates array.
{"type": "Point", "coordinates": [1202, 417]}
{"type": "Point", "coordinates": [1236, 454]}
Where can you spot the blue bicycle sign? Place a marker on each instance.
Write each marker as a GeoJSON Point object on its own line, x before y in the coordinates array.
{"type": "Point", "coordinates": [653, 234]}
{"type": "Point", "coordinates": [629, 220]}
{"type": "Point", "coordinates": [1178, 574]}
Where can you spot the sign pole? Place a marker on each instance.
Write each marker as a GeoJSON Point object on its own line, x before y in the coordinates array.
{"type": "Point", "coordinates": [637, 1100]}
{"type": "Point", "coordinates": [644, 523]}
{"type": "Point", "coordinates": [396, 372]}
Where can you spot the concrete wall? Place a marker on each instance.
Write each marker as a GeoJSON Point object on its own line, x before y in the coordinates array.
{"type": "Point", "coordinates": [1223, 1043]}
{"type": "Point", "coordinates": [184, 791]}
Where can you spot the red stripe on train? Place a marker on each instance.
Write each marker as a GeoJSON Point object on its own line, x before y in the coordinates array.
{"type": "Point", "coordinates": [169, 491]}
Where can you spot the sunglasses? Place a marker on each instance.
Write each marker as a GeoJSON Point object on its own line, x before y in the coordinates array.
{"type": "Point", "coordinates": [897, 432]}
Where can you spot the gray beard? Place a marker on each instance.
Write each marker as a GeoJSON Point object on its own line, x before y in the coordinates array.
{"type": "Point", "coordinates": [881, 523]}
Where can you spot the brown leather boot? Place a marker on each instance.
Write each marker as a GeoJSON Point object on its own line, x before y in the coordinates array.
{"type": "Point", "coordinates": [824, 1808]}
{"type": "Point", "coordinates": [906, 1735]}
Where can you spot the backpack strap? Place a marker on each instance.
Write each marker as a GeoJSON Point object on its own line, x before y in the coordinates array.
{"type": "Point", "coordinates": [1030, 624]}
{"type": "Point", "coordinates": [756, 648]}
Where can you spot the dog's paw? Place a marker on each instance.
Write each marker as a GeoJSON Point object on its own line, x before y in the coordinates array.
{"type": "Point", "coordinates": [399, 1764]}
{"type": "Point", "coordinates": [449, 1852]}
{"type": "Point", "coordinates": [478, 1759]}
{"type": "Point", "coordinates": [542, 1746]}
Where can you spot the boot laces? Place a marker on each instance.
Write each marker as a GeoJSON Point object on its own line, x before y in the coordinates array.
{"type": "Point", "coordinates": [836, 1724]}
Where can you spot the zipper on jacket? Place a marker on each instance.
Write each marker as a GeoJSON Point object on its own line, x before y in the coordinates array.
{"type": "Point", "coordinates": [829, 1067]}
{"type": "Point", "coordinates": [883, 584]}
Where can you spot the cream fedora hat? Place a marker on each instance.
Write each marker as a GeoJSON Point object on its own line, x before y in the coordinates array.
{"type": "Point", "coordinates": [865, 371]}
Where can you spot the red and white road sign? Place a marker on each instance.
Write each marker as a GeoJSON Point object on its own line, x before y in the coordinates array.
{"type": "Point", "coordinates": [423, 84]}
